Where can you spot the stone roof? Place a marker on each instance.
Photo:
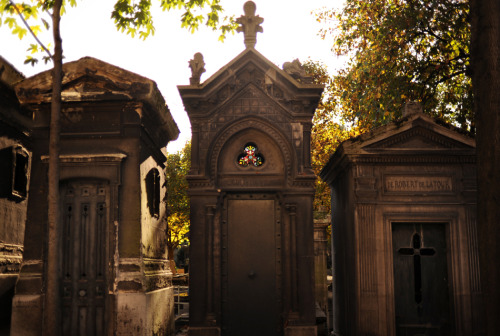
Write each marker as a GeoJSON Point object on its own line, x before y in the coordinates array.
{"type": "Point", "coordinates": [250, 66]}
{"type": "Point", "coordinates": [91, 80]}
{"type": "Point", "coordinates": [415, 137]}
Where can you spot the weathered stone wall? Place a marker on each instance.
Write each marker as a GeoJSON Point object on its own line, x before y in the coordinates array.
{"type": "Point", "coordinates": [14, 138]}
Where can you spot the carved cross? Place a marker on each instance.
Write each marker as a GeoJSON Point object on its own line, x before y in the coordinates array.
{"type": "Point", "coordinates": [249, 24]}
{"type": "Point", "coordinates": [416, 251]}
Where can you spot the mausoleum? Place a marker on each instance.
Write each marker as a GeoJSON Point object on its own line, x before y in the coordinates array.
{"type": "Point", "coordinates": [251, 187]}
{"type": "Point", "coordinates": [404, 230]}
{"type": "Point", "coordinates": [114, 269]}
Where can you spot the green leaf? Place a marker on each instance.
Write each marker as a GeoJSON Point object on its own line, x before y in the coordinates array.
{"type": "Point", "coordinates": [30, 60]}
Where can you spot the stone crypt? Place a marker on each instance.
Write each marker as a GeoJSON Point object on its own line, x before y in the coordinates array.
{"type": "Point", "coordinates": [114, 268]}
{"type": "Point", "coordinates": [251, 188]}
{"type": "Point", "coordinates": [404, 230]}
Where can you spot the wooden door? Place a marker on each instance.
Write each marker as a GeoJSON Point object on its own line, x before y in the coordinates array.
{"type": "Point", "coordinates": [251, 300]}
{"type": "Point", "coordinates": [421, 286]}
{"type": "Point", "coordinates": [85, 207]}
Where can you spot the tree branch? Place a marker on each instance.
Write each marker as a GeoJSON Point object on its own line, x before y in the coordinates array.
{"type": "Point", "coordinates": [29, 29]}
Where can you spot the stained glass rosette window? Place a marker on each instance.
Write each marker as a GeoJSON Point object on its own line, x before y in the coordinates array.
{"type": "Point", "coordinates": [250, 156]}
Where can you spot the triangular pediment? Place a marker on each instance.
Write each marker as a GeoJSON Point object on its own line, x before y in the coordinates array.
{"type": "Point", "coordinates": [414, 138]}
{"type": "Point", "coordinates": [417, 138]}
{"type": "Point", "coordinates": [253, 100]}
{"type": "Point", "coordinates": [250, 68]}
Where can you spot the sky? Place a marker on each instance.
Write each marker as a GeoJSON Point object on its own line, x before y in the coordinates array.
{"type": "Point", "coordinates": [290, 32]}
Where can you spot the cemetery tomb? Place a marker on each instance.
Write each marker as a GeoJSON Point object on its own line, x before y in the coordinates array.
{"type": "Point", "coordinates": [404, 230]}
{"type": "Point", "coordinates": [251, 187]}
{"type": "Point", "coordinates": [115, 275]}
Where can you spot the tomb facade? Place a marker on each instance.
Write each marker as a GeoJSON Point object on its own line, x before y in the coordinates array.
{"type": "Point", "coordinates": [251, 188]}
{"type": "Point", "coordinates": [114, 269]}
{"type": "Point", "coordinates": [404, 230]}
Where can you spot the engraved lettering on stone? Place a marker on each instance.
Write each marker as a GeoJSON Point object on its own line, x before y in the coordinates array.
{"type": "Point", "coordinates": [418, 184]}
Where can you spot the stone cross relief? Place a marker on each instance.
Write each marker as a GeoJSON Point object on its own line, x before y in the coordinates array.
{"type": "Point", "coordinates": [417, 251]}
{"type": "Point", "coordinates": [250, 24]}
{"type": "Point", "coordinates": [197, 66]}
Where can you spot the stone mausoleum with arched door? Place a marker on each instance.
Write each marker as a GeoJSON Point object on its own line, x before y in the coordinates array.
{"type": "Point", "coordinates": [251, 188]}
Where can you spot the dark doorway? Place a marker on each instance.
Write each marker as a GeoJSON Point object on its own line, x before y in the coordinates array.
{"type": "Point", "coordinates": [250, 299]}
{"type": "Point", "coordinates": [421, 287]}
{"type": "Point", "coordinates": [85, 217]}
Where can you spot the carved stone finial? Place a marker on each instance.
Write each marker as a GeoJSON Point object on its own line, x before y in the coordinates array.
{"type": "Point", "coordinates": [412, 107]}
{"type": "Point", "coordinates": [297, 71]}
{"type": "Point", "coordinates": [197, 66]}
{"type": "Point", "coordinates": [249, 24]}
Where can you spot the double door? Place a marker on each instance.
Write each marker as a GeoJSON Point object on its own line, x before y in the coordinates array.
{"type": "Point", "coordinates": [85, 216]}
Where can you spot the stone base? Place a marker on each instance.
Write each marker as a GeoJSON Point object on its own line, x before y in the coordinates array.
{"type": "Point", "coordinates": [27, 315]}
{"type": "Point", "coordinates": [204, 331]}
{"type": "Point", "coordinates": [145, 313]}
{"type": "Point", "coordinates": [301, 331]}
{"type": "Point", "coordinates": [160, 315]}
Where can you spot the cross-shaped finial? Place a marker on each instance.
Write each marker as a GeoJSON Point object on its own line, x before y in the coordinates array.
{"type": "Point", "coordinates": [249, 24]}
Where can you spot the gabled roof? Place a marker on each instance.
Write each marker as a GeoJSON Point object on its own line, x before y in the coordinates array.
{"type": "Point", "coordinates": [232, 74]}
{"type": "Point", "coordinates": [412, 133]}
{"type": "Point", "coordinates": [416, 135]}
{"type": "Point", "coordinates": [91, 80]}
{"type": "Point", "coordinates": [243, 58]}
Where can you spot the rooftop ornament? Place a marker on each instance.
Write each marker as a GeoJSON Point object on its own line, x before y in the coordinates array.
{"type": "Point", "coordinates": [197, 66]}
{"type": "Point", "coordinates": [250, 24]}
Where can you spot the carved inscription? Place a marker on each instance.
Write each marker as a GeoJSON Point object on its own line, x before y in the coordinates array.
{"type": "Point", "coordinates": [425, 184]}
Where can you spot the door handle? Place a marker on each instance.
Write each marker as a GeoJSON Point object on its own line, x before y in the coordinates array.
{"type": "Point", "coordinates": [252, 274]}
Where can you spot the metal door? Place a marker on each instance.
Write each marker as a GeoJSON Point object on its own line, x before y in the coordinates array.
{"type": "Point", "coordinates": [421, 288]}
{"type": "Point", "coordinates": [250, 306]}
{"type": "Point", "coordinates": [85, 218]}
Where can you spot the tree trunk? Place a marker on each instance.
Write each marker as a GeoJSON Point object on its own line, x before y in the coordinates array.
{"type": "Point", "coordinates": [485, 60]}
{"type": "Point", "coordinates": [53, 307]}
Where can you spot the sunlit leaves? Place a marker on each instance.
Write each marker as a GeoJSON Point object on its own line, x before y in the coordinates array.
{"type": "Point", "coordinates": [327, 133]}
{"type": "Point", "coordinates": [400, 50]}
{"type": "Point", "coordinates": [134, 17]}
{"type": "Point", "coordinates": [27, 17]}
{"type": "Point", "coordinates": [177, 167]}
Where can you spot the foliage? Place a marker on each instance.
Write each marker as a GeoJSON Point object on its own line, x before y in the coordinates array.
{"type": "Point", "coordinates": [399, 51]}
{"type": "Point", "coordinates": [327, 133]}
{"type": "Point", "coordinates": [177, 167]}
{"type": "Point", "coordinates": [134, 17]}
{"type": "Point", "coordinates": [31, 14]}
